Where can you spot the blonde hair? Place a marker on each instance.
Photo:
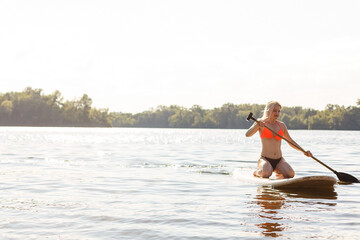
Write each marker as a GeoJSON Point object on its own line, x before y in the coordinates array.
{"type": "Point", "coordinates": [268, 110]}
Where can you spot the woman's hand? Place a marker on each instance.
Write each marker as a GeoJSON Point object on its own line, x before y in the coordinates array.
{"type": "Point", "coordinates": [261, 124]}
{"type": "Point", "coordinates": [308, 154]}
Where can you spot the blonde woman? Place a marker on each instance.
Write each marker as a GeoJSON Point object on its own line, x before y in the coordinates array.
{"type": "Point", "coordinates": [271, 159]}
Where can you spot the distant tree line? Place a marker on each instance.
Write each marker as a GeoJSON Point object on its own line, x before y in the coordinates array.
{"type": "Point", "coordinates": [232, 116]}
{"type": "Point", "coordinates": [34, 108]}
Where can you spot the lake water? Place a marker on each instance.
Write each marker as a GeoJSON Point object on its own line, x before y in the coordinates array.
{"type": "Point", "coordinates": [119, 183]}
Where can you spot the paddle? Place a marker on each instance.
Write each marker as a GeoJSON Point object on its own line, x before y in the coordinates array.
{"type": "Point", "coordinates": [344, 177]}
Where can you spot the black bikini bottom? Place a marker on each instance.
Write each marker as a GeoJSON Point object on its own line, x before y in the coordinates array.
{"type": "Point", "coordinates": [273, 162]}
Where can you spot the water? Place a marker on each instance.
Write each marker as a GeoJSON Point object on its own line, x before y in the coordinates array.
{"type": "Point", "coordinates": [88, 183]}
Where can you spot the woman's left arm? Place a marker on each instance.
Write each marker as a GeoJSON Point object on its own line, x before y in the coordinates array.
{"type": "Point", "coordinates": [294, 145]}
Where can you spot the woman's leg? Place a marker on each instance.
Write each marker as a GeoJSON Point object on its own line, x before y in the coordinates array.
{"type": "Point", "coordinates": [284, 170]}
{"type": "Point", "coordinates": [264, 169]}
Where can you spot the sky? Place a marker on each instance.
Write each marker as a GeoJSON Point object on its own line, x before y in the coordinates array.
{"type": "Point", "coordinates": [130, 56]}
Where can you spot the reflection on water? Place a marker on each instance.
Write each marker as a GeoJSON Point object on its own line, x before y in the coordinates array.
{"type": "Point", "coordinates": [310, 193]}
{"type": "Point", "coordinates": [271, 201]}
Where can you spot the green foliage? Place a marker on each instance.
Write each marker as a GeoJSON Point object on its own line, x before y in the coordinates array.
{"type": "Point", "coordinates": [34, 108]}
{"type": "Point", "coordinates": [234, 116]}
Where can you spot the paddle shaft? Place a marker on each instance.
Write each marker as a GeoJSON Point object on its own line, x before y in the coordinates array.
{"type": "Point", "coordinates": [295, 145]}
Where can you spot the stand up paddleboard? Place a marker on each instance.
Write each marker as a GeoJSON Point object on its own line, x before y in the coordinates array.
{"type": "Point", "coordinates": [308, 182]}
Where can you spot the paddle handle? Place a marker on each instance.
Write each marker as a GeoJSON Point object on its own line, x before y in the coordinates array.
{"type": "Point", "coordinates": [290, 142]}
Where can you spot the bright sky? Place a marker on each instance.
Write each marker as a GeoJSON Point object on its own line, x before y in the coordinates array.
{"type": "Point", "coordinates": [133, 55]}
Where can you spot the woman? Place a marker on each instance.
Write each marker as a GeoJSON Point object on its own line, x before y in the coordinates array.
{"type": "Point", "coordinates": [271, 159]}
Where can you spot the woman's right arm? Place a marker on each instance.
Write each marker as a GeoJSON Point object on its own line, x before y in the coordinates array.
{"type": "Point", "coordinates": [252, 130]}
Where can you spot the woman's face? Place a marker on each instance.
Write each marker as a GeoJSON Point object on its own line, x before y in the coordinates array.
{"type": "Point", "coordinates": [276, 112]}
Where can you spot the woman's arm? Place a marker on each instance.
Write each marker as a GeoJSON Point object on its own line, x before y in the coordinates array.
{"type": "Point", "coordinates": [294, 145]}
{"type": "Point", "coordinates": [254, 128]}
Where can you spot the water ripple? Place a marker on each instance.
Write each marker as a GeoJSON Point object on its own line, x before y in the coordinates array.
{"type": "Point", "coordinates": [82, 183]}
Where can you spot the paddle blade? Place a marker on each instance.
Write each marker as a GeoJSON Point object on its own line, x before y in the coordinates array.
{"type": "Point", "coordinates": [344, 177]}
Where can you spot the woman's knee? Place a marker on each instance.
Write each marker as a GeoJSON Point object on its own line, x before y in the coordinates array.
{"type": "Point", "coordinates": [285, 169]}
{"type": "Point", "coordinates": [289, 174]}
{"type": "Point", "coordinates": [264, 173]}
{"type": "Point", "coordinates": [264, 169]}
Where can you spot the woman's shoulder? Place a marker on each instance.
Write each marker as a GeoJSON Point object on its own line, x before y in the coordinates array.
{"type": "Point", "coordinates": [282, 124]}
